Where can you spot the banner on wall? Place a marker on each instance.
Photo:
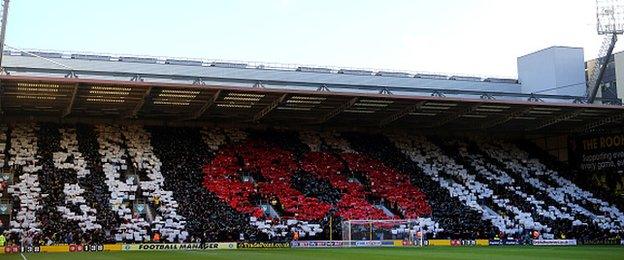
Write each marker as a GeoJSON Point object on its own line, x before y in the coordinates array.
{"type": "Point", "coordinates": [173, 247]}
{"type": "Point", "coordinates": [598, 152]}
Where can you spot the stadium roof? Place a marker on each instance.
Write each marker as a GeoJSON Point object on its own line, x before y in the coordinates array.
{"type": "Point", "coordinates": [78, 87]}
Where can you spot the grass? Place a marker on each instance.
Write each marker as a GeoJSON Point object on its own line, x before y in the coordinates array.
{"type": "Point", "coordinates": [513, 252]}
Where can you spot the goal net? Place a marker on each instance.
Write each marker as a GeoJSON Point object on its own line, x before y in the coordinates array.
{"type": "Point", "coordinates": [406, 230]}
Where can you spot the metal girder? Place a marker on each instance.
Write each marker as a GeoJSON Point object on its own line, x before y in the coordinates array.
{"type": "Point", "coordinates": [258, 85]}
{"type": "Point", "coordinates": [505, 119]}
{"type": "Point", "coordinates": [404, 112]}
{"type": "Point", "coordinates": [487, 96]}
{"type": "Point", "coordinates": [385, 91]}
{"type": "Point", "coordinates": [137, 78]}
{"type": "Point", "coordinates": [199, 81]}
{"type": "Point", "coordinates": [452, 117]}
{"type": "Point", "coordinates": [534, 98]}
{"type": "Point", "coordinates": [71, 102]}
{"type": "Point", "coordinates": [338, 110]}
{"type": "Point", "coordinates": [323, 88]}
{"type": "Point", "coordinates": [556, 119]}
{"type": "Point", "coordinates": [604, 121]}
{"type": "Point", "coordinates": [265, 111]}
{"type": "Point", "coordinates": [137, 108]}
{"type": "Point", "coordinates": [601, 66]}
{"type": "Point", "coordinates": [438, 93]}
{"type": "Point", "coordinates": [72, 75]}
{"type": "Point", "coordinates": [205, 107]}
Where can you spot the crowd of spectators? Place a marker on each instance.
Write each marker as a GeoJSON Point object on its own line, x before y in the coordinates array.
{"type": "Point", "coordinates": [272, 184]}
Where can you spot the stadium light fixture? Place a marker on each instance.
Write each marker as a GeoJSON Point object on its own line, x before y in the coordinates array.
{"type": "Point", "coordinates": [610, 16]}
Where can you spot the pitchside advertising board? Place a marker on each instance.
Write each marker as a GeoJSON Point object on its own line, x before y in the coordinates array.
{"type": "Point", "coordinates": [554, 242]}
{"type": "Point", "coordinates": [386, 243]}
{"type": "Point", "coordinates": [504, 242]}
{"type": "Point", "coordinates": [177, 247]}
{"type": "Point", "coordinates": [593, 153]}
{"type": "Point", "coordinates": [263, 245]}
{"type": "Point", "coordinates": [61, 248]}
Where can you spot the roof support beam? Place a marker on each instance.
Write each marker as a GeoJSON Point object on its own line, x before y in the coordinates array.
{"type": "Point", "coordinates": [68, 110]}
{"type": "Point", "coordinates": [323, 88]}
{"type": "Point", "coordinates": [455, 116]}
{"type": "Point", "coordinates": [205, 107]}
{"type": "Point", "coordinates": [404, 112]}
{"type": "Point", "coordinates": [140, 104]}
{"type": "Point", "coordinates": [265, 111]}
{"type": "Point", "coordinates": [608, 120]}
{"type": "Point", "coordinates": [556, 119]}
{"type": "Point", "coordinates": [338, 110]}
{"type": "Point", "coordinates": [507, 118]}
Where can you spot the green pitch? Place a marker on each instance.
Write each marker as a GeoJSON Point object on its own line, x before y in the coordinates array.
{"type": "Point", "coordinates": [517, 252]}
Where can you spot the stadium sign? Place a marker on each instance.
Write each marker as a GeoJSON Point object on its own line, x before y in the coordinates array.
{"type": "Point", "coordinates": [554, 242]}
{"type": "Point", "coordinates": [264, 245]}
{"type": "Point", "coordinates": [175, 247]}
{"type": "Point", "coordinates": [597, 152]}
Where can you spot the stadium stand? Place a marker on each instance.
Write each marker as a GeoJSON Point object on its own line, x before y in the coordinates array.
{"type": "Point", "coordinates": [594, 217]}
{"type": "Point", "coordinates": [25, 190]}
{"type": "Point", "coordinates": [167, 222]}
{"type": "Point", "coordinates": [114, 183]}
{"type": "Point", "coordinates": [121, 185]}
{"type": "Point", "coordinates": [184, 154]}
{"type": "Point", "coordinates": [454, 219]}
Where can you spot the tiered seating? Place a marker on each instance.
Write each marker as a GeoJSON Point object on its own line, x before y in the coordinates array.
{"type": "Point", "coordinates": [3, 144]}
{"type": "Point", "coordinates": [455, 179]}
{"type": "Point", "coordinates": [222, 179]}
{"type": "Point", "coordinates": [74, 185]}
{"type": "Point", "coordinates": [69, 158]}
{"type": "Point", "coordinates": [353, 204]}
{"type": "Point", "coordinates": [507, 194]}
{"type": "Point", "coordinates": [280, 229]}
{"type": "Point", "coordinates": [167, 222]}
{"type": "Point", "coordinates": [311, 139]}
{"type": "Point", "coordinates": [406, 207]}
{"type": "Point", "coordinates": [183, 155]}
{"type": "Point", "coordinates": [564, 192]}
{"type": "Point", "coordinates": [122, 192]}
{"type": "Point", "coordinates": [335, 142]}
{"type": "Point", "coordinates": [390, 185]}
{"type": "Point", "coordinates": [26, 185]}
{"type": "Point", "coordinates": [96, 190]}
{"type": "Point", "coordinates": [277, 166]}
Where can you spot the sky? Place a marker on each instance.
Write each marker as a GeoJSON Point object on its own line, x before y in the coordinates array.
{"type": "Point", "coordinates": [475, 37]}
